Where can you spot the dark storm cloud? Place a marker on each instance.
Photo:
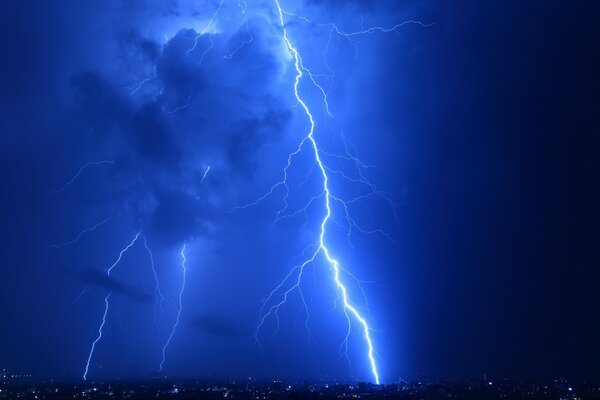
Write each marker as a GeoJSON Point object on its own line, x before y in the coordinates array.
{"type": "Point", "coordinates": [99, 104]}
{"type": "Point", "coordinates": [104, 281]}
{"type": "Point", "coordinates": [178, 67]}
{"type": "Point", "coordinates": [216, 326]}
{"type": "Point", "coordinates": [192, 106]}
{"type": "Point", "coordinates": [132, 44]}
{"type": "Point", "coordinates": [177, 217]}
{"type": "Point", "coordinates": [152, 136]}
{"type": "Point", "coordinates": [226, 104]}
{"type": "Point", "coordinates": [250, 132]}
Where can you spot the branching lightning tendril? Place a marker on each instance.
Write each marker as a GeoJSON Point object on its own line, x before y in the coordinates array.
{"type": "Point", "coordinates": [78, 237]}
{"type": "Point", "coordinates": [207, 30]}
{"type": "Point", "coordinates": [83, 167]}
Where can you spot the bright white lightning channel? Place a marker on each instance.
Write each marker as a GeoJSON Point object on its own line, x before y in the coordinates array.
{"type": "Point", "coordinates": [180, 304]}
{"type": "Point", "coordinates": [349, 309]}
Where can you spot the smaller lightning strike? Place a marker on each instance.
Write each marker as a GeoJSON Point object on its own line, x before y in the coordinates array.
{"type": "Point", "coordinates": [298, 271]}
{"type": "Point", "coordinates": [158, 296]}
{"type": "Point", "coordinates": [207, 30]}
{"type": "Point", "coordinates": [374, 29]}
{"type": "Point", "coordinates": [282, 183]}
{"type": "Point", "coordinates": [302, 210]}
{"type": "Point", "coordinates": [180, 306]}
{"type": "Point", "coordinates": [106, 306]}
{"type": "Point", "coordinates": [83, 168]}
{"type": "Point", "coordinates": [206, 171]}
{"type": "Point", "coordinates": [77, 238]}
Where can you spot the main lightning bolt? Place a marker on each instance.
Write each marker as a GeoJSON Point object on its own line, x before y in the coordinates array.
{"type": "Point", "coordinates": [350, 310]}
{"type": "Point", "coordinates": [180, 306]}
{"type": "Point", "coordinates": [106, 306]}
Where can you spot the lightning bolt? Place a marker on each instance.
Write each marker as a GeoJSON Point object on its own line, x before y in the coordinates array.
{"type": "Point", "coordinates": [294, 277]}
{"type": "Point", "coordinates": [106, 306]}
{"type": "Point", "coordinates": [83, 168]}
{"type": "Point", "coordinates": [180, 306]}
{"type": "Point", "coordinates": [292, 281]}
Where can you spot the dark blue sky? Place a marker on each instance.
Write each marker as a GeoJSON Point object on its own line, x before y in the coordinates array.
{"type": "Point", "coordinates": [481, 127]}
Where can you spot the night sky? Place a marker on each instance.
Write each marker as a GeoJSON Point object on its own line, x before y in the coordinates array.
{"type": "Point", "coordinates": [476, 243]}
